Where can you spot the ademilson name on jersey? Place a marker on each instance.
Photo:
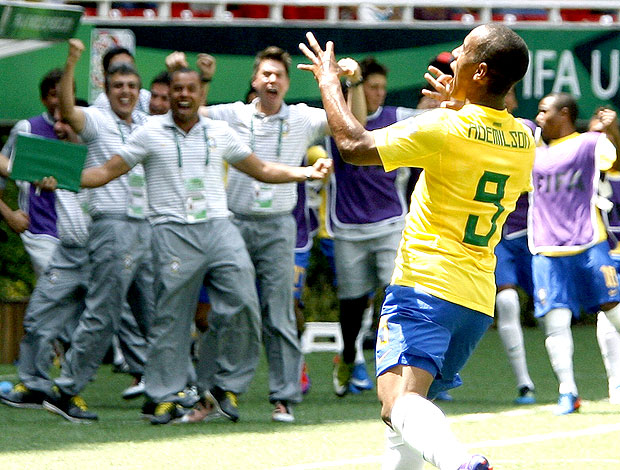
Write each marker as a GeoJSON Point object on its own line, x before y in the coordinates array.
{"type": "Point", "coordinates": [510, 139]}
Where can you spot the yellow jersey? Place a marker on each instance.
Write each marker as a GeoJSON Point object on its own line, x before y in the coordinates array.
{"type": "Point", "coordinates": [476, 161]}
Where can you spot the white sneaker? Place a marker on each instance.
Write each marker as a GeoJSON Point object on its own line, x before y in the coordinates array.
{"type": "Point", "coordinates": [282, 413]}
{"type": "Point", "coordinates": [134, 391]}
{"type": "Point", "coordinates": [614, 396]}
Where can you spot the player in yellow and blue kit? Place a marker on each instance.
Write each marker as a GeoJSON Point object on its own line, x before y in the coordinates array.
{"type": "Point", "coordinates": [605, 120]}
{"type": "Point", "coordinates": [476, 161]}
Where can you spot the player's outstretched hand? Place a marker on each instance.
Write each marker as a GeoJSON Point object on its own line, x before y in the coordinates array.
{"type": "Point", "coordinates": [176, 60]}
{"type": "Point", "coordinates": [323, 62]}
{"type": "Point", "coordinates": [350, 68]}
{"type": "Point", "coordinates": [76, 48]}
{"type": "Point", "coordinates": [608, 119]}
{"type": "Point", "coordinates": [441, 84]}
{"type": "Point", "coordinates": [322, 168]}
{"type": "Point", "coordinates": [206, 65]}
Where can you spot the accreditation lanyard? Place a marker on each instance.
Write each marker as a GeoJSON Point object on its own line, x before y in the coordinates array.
{"type": "Point", "coordinates": [136, 204]}
{"type": "Point", "coordinates": [120, 131]}
{"type": "Point", "coordinates": [180, 155]}
{"type": "Point", "coordinates": [280, 131]}
{"type": "Point", "coordinates": [195, 187]}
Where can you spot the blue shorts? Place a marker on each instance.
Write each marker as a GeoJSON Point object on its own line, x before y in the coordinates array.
{"type": "Point", "coordinates": [203, 298]}
{"type": "Point", "coordinates": [302, 261]}
{"type": "Point", "coordinates": [584, 281]}
{"type": "Point", "coordinates": [514, 264]}
{"type": "Point", "coordinates": [327, 248]}
{"type": "Point", "coordinates": [420, 330]}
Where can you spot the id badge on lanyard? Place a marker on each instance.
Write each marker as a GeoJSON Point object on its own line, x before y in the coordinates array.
{"type": "Point", "coordinates": [264, 192]}
{"type": "Point", "coordinates": [136, 206]}
{"type": "Point", "coordinates": [195, 187]}
{"type": "Point", "coordinates": [263, 195]}
{"type": "Point", "coordinates": [195, 200]}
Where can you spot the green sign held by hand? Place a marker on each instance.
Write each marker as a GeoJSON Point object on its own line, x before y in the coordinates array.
{"type": "Point", "coordinates": [48, 22]}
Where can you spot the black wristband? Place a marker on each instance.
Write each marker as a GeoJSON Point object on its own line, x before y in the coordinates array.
{"type": "Point", "coordinates": [206, 80]}
{"type": "Point", "coordinates": [350, 84]}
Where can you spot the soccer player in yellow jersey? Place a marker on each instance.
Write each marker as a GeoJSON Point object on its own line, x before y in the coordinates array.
{"type": "Point", "coordinates": [477, 159]}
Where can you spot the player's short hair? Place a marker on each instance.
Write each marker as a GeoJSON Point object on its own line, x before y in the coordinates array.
{"type": "Point", "coordinates": [273, 53]}
{"type": "Point", "coordinates": [110, 54]}
{"type": "Point", "coordinates": [182, 70]}
{"type": "Point", "coordinates": [122, 69]}
{"type": "Point", "coordinates": [506, 56]}
{"type": "Point", "coordinates": [370, 66]}
{"type": "Point", "coordinates": [162, 77]}
{"type": "Point", "coordinates": [49, 82]}
{"type": "Point", "coordinates": [565, 100]}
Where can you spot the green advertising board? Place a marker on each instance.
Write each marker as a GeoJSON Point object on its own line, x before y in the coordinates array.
{"type": "Point", "coordinates": [580, 59]}
{"type": "Point", "coordinates": [49, 22]}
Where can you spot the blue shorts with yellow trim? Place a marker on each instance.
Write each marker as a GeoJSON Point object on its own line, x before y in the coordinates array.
{"type": "Point", "coordinates": [584, 281]}
{"type": "Point", "coordinates": [302, 261]}
{"type": "Point", "coordinates": [420, 330]}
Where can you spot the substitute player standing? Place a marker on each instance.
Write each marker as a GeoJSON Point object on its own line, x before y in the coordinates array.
{"type": "Point", "coordinates": [573, 270]}
{"type": "Point", "coordinates": [476, 161]}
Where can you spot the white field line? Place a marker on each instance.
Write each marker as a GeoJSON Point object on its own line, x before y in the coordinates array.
{"type": "Point", "coordinates": [371, 459]}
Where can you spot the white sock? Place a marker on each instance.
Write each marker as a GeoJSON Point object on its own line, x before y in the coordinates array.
{"type": "Point", "coordinates": [609, 342]}
{"type": "Point", "coordinates": [559, 344]}
{"type": "Point", "coordinates": [365, 328]}
{"type": "Point", "coordinates": [398, 455]}
{"type": "Point", "coordinates": [425, 428]}
{"type": "Point", "coordinates": [613, 315]}
{"type": "Point", "coordinates": [509, 328]}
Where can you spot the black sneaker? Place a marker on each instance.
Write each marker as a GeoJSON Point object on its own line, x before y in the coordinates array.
{"type": "Point", "coordinates": [224, 402]}
{"type": "Point", "coordinates": [166, 412]}
{"type": "Point", "coordinates": [148, 409]}
{"type": "Point", "coordinates": [21, 396]}
{"type": "Point", "coordinates": [71, 407]}
{"type": "Point", "coordinates": [526, 396]}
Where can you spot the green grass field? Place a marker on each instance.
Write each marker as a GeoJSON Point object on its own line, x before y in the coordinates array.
{"type": "Point", "coordinates": [331, 432]}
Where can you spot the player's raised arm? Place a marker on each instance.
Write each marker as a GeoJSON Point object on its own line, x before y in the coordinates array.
{"type": "Point", "coordinates": [355, 143]}
{"type": "Point", "coordinates": [71, 113]}
{"type": "Point", "coordinates": [206, 65]}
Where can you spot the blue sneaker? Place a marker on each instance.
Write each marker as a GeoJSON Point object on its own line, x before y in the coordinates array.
{"type": "Point", "coordinates": [567, 403]}
{"type": "Point", "coordinates": [354, 390]}
{"type": "Point", "coordinates": [526, 396]}
{"type": "Point", "coordinates": [476, 462]}
{"type": "Point", "coordinates": [360, 378]}
{"type": "Point", "coordinates": [444, 396]}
